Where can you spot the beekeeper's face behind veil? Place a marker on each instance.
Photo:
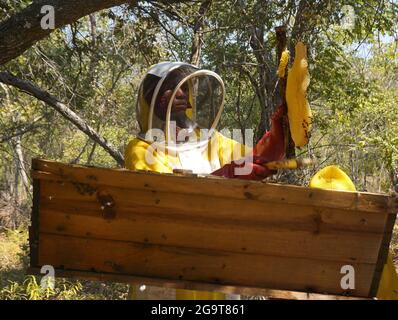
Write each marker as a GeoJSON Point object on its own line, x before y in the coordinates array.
{"type": "Point", "coordinates": [177, 101]}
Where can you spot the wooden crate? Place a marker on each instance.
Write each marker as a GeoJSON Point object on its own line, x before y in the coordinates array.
{"type": "Point", "coordinates": [206, 232]}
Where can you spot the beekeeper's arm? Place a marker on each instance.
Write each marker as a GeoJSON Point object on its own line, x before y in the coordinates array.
{"type": "Point", "coordinates": [140, 155]}
{"type": "Point", "coordinates": [271, 147]}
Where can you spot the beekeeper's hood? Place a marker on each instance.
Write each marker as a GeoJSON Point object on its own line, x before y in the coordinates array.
{"type": "Point", "coordinates": [205, 100]}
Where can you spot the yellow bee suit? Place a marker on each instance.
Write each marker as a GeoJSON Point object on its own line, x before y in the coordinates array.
{"type": "Point", "coordinates": [220, 148]}
{"type": "Point", "coordinates": [332, 177]}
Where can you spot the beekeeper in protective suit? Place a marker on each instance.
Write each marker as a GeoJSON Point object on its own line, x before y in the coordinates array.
{"type": "Point", "coordinates": [178, 109]}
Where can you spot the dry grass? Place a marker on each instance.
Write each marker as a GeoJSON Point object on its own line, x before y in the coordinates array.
{"type": "Point", "coordinates": [13, 244]}
{"type": "Point", "coordinates": [9, 251]}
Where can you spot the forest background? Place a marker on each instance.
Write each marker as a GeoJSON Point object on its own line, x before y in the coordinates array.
{"type": "Point", "coordinates": [93, 60]}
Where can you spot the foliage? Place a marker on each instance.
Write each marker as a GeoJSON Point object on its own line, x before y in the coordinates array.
{"type": "Point", "coordinates": [95, 66]}
{"type": "Point", "coordinates": [31, 290]}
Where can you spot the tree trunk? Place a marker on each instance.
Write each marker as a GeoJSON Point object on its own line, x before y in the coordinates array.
{"type": "Point", "coordinates": [257, 45]}
{"type": "Point", "coordinates": [16, 181]}
{"type": "Point", "coordinates": [197, 40]}
{"type": "Point", "coordinates": [21, 168]}
{"type": "Point", "coordinates": [93, 30]}
{"type": "Point", "coordinates": [281, 46]}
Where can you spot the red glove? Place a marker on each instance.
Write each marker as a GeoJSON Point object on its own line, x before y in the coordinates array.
{"type": "Point", "coordinates": [250, 169]}
{"type": "Point", "coordinates": [271, 146]}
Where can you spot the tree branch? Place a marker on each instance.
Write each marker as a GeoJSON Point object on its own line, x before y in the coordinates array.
{"type": "Point", "coordinates": [20, 132]}
{"type": "Point", "coordinates": [22, 30]}
{"type": "Point", "coordinates": [64, 110]}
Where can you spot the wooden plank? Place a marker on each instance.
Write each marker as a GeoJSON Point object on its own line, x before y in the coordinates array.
{"type": "Point", "coordinates": [35, 226]}
{"type": "Point", "coordinates": [277, 230]}
{"type": "Point", "coordinates": [220, 235]}
{"type": "Point", "coordinates": [192, 285]}
{"type": "Point", "coordinates": [199, 265]}
{"type": "Point", "coordinates": [231, 188]}
{"type": "Point", "coordinates": [383, 254]}
{"type": "Point", "coordinates": [209, 230]}
{"type": "Point", "coordinates": [199, 207]}
{"type": "Point", "coordinates": [227, 188]}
